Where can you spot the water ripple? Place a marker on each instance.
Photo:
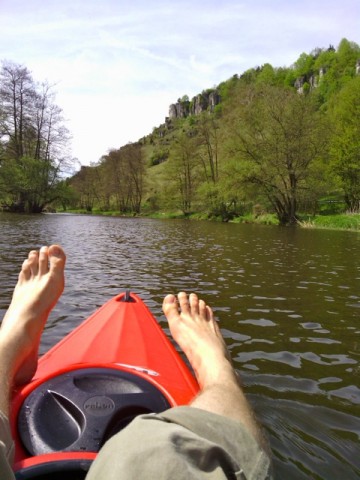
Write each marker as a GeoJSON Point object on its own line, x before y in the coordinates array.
{"type": "Point", "coordinates": [287, 301]}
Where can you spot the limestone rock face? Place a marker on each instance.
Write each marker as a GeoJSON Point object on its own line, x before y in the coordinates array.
{"type": "Point", "coordinates": [199, 104]}
{"type": "Point", "coordinates": [214, 99]}
{"type": "Point", "coordinates": [299, 84]}
{"type": "Point", "coordinates": [179, 110]}
{"type": "Point", "coordinates": [202, 102]}
{"type": "Point", "coordinates": [172, 111]}
{"type": "Point", "coordinates": [314, 79]}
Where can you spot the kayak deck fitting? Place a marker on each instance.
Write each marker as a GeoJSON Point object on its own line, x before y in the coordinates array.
{"type": "Point", "coordinates": [116, 365]}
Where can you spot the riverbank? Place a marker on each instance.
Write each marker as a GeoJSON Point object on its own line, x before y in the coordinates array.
{"type": "Point", "coordinates": [333, 222]}
{"type": "Point", "coordinates": [265, 219]}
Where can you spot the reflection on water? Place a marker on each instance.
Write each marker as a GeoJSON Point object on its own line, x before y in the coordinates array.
{"type": "Point", "coordinates": [288, 302]}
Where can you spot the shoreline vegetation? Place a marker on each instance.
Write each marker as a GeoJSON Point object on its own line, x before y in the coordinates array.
{"type": "Point", "coordinates": [345, 221]}
{"type": "Point", "coordinates": [274, 146]}
{"type": "Point", "coordinates": [270, 146]}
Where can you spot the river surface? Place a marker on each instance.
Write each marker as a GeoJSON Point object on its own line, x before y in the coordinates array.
{"type": "Point", "coordinates": [288, 302]}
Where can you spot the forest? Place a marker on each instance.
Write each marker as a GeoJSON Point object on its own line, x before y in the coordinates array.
{"type": "Point", "coordinates": [279, 140]}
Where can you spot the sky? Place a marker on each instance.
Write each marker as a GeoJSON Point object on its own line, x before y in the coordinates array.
{"type": "Point", "coordinates": [117, 65]}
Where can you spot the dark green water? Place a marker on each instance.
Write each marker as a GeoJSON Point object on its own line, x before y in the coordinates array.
{"type": "Point", "coordinates": [288, 302]}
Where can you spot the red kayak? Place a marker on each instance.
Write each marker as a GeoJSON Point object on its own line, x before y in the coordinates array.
{"type": "Point", "coordinates": [116, 365]}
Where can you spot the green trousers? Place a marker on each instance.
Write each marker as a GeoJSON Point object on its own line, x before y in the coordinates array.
{"type": "Point", "coordinates": [182, 443]}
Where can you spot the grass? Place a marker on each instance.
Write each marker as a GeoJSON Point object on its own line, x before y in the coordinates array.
{"type": "Point", "coordinates": [165, 215]}
{"type": "Point", "coordinates": [334, 222]}
{"type": "Point", "coordinates": [95, 211]}
{"type": "Point", "coordinates": [345, 221]}
{"type": "Point", "coordinates": [263, 219]}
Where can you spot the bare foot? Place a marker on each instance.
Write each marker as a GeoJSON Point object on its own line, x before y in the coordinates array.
{"type": "Point", "coordinates": [197, 333]}
{"type": "Point", "coordinates": [40, 284]}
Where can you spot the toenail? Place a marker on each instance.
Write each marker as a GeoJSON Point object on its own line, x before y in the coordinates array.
{"type": "Point", "coordinates": [56, 252]}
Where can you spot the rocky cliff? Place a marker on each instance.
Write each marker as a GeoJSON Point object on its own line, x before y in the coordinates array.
{"type": "Point", "coordinates": [311, 81]}
{"type": "Point", "coordinates": [205, 101]}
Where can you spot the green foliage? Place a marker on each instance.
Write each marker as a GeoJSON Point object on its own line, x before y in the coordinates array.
{"type": "Point", "coordinates": [277, 135]}
{"type": "Point", "coordinates": [347, 54]}
{"type": "Point", "coordinates": [263, 219]}
{"type": "Point", "coordinates": [28, 185]}
{"type": "Point", "coordinates": [249, 77]}
{"type": "Point", "coordinates": [225, 88]}
{"type": "Point", "coordinates": [159, 156]}
{"type": "Point", "coordinates": [325, 60]}
{"type": "Point", "coordinates": [341, 222]}
{"type": "Point", "coordinates": [306, 88]}
{"type": "Point", "coordinates": [218, 206]}
{"type": "Point", "coordinates": [181, 174]}
{"type": "Point", "coordinates": [345, 145]}
{"type": "Point", "coordinates": [304, 65]}
{"type": "Point", "coordinates": [266, 75]}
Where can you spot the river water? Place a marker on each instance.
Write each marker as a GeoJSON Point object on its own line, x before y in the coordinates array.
{"type": "Point", "coordinates": [288, 302]}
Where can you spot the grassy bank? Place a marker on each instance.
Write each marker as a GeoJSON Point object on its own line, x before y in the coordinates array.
{"type": "Point", "coordinates": [334, 222]}
{"type": "Point", "coordinates": [82, 211]}
{"type": "Point", "coordinates": [264, 219]}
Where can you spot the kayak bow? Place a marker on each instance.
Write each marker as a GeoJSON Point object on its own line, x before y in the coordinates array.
{"type": "Point", "coordinates": [116, 365]}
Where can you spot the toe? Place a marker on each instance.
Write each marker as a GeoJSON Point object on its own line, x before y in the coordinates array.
{"type": "Point", "coordinates": [57, 257]}
{"type": "Point", "coordinates": [43, 260]}
{"type": "Point", "coordinates": [33, 262]}
{"type": "Point", "coordinates": [210, 314]}
{"type": "Point", "coordinates": [194, 304]}
{"type": "Point", "coordinates": [203, 310]}
{"type": "Point", "coordinates": [212, 320]}
{"type": "Point", "coordinates": [25, 273]}
{"type": "Point", "coordinates": [184, 303]}
{"type": "Point", "coordinates": [170, 307]}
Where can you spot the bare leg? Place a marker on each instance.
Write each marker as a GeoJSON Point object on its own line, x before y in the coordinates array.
{"type": "Point", "coordinates": [40, 284]}
{"type": "Point", "coordinates": [197, 333]}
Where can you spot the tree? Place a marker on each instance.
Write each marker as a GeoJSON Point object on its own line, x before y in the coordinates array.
{"type": "Point", "coordinates": [271, 76]}
{"type": "Point", "coordinates": [208, 143]}
{"type": "Point", "coordinates": [34, 141]}
{"type": "Point", "coordinates": [85, 184]}
{"type": "Point", "coordinates": [134, 164]}
{"type": "Point", "coordinates": [16, 94]}
{"type": "Point", "coordinates": [180, 173]}
{"type": "Point", "coordinates": [121, 178]}
{"type": "Point", "coordinates": [345, 145]}
{"type": "Point", "coordinates": [348, 54]}
{"type": "Point", "coordinates": [211, 190]}
{"type": "Point", "coordinates": [304, 65]}
{"type": "Point", "coordinates": [277, 136]}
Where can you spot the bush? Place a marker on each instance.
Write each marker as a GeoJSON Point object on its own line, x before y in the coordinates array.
{"type": "Point", "coordinates": [158, 157]}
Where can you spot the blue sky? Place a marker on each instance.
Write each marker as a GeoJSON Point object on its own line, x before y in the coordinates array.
{"type": "Point", "coordinates": [118, 64]}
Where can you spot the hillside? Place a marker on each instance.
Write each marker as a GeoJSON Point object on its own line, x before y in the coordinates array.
{"type": "Point", "coordinates": [272, 139]}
